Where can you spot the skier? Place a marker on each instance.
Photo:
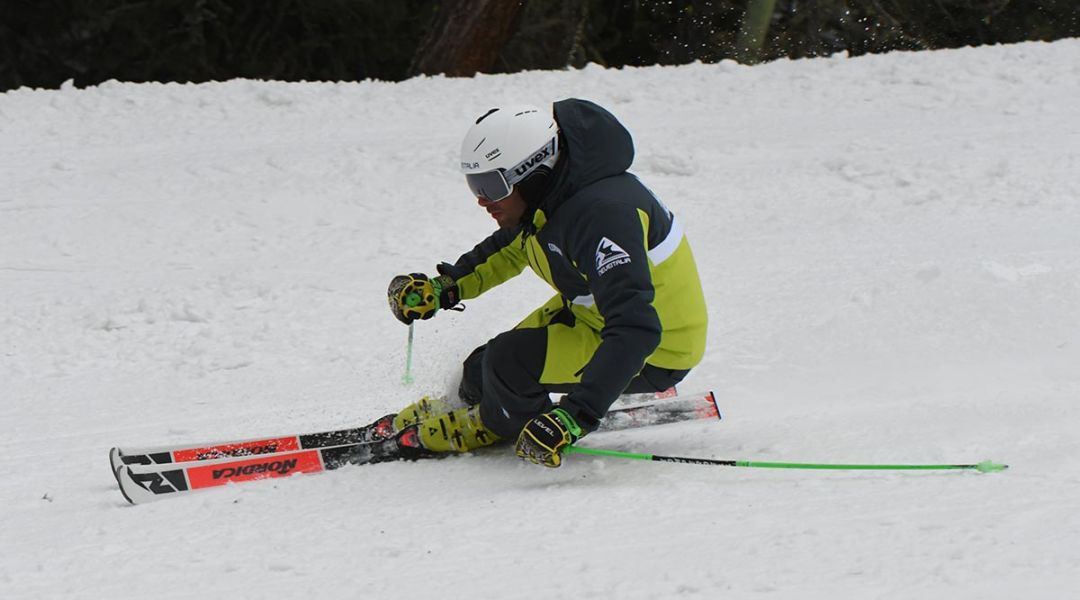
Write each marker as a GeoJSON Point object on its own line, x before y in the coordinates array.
{"type": "Point", "coordinates": [629, 313]}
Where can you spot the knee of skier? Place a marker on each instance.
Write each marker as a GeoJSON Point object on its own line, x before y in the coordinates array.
{"type": "Point", "coordinates": [471, 388]}
{"type": "Point", "coordinates": [516, 359]}
{"type": "Point", "coordinates": [512, 392]}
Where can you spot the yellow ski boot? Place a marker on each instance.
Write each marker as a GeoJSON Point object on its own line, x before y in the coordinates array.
{"type": "Point", "coordinates": [459, 430]}
{"type": "Point", "coordinates": [424, 408]}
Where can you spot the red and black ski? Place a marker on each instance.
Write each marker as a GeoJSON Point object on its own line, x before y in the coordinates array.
{"type": "Point", "coordinates": [143, 482]}
{"type": "Point", "coordinates": [625, 414]}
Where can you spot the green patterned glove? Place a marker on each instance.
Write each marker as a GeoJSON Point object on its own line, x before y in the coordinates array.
{"type": "Point", "coordinates": [415, 296]}
{"type": "Point", "coordinates": [544, 437]}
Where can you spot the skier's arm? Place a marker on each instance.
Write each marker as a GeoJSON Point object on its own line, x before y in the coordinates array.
{"type": "Point", "coordinates": [493, 261]}
{"type": "Point", "coordinates": [612, 250]}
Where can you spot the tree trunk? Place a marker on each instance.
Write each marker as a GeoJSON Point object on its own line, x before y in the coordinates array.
{"type": "Point", "coordinates": [755, 27]}
{"type": "Point", "coordinates": [466, 37]}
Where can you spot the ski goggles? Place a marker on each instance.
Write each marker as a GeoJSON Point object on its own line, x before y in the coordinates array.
{"type": "Point", "coordinates": [489, 185]}
{"type": "Point", "coordinates": [497, 184]}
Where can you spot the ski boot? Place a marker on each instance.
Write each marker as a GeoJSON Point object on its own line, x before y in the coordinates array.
{"type": "Point", "coordinates": [389, 426]}
{"type": "Point", "coordinates": [459, 430]}
{"type": "Point", "coordinates": [424, 408]}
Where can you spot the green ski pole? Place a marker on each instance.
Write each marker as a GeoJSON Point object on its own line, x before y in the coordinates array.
{"type": "Point", "coordinates": [412, 299]}
{"type": "Point", "coordinates": [407, 379]}
{"type": "Point", "coordinates": [984, 467]}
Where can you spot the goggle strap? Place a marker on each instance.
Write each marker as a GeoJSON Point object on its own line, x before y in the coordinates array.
{"type": "Point", "coordinates": [527, 166]}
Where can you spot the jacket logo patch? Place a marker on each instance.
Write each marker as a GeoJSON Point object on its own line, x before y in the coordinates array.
{"type": "Point", "coordinates": [609, 255]}
{"type": "Point", "coordinates": [555, 249]}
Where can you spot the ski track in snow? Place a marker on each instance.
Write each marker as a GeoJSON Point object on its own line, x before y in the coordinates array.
{"type": "Point", "coordinates": [890, 246]}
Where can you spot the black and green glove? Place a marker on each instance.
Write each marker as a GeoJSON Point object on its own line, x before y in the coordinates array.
{"type": "Point", "coordinates": [416, 296]}
{"type": "Point", "coordinates": [544, 437]}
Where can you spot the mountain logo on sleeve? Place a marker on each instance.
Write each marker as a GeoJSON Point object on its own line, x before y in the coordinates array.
{"type": "Point", "coordinates": [609, 255]}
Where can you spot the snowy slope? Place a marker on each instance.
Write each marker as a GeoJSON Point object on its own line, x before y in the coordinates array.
{"type": "Point", "coordinates": [891, 252]}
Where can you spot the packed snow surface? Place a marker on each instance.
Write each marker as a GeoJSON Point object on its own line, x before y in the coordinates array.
{"type": "Point", "coordinates": [890, 246]}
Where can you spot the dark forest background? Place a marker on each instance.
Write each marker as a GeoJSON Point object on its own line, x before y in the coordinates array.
{"type": "Point", "coordinates": [46, 42]}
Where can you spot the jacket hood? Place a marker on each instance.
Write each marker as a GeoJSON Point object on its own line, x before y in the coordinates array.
{"type": "Point", "coordinates": [592, 145]}
{"type": "Point", "coordinates": [596, 144]}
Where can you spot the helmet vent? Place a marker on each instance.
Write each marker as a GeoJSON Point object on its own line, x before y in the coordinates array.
{"type": "Point", "coordinates": [486, 115]}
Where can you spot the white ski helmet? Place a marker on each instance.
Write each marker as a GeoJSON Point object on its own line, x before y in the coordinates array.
{"type": "Point", "coordinates": [506, 145]}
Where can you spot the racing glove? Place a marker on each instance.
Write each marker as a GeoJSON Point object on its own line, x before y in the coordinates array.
{"type": "Point", "coordinates": [416, 296]}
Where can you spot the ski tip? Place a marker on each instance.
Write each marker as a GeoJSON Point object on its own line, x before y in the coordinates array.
{"type": "Point", "coordinates": [123, 474]}
{"type": "Point", "coordinates": [134, 490]}
{"type": "Point", "coordinates": [115, 462]}
{"type": "Point", "coordinates": [115, 456]}
{"type": "Point", "coordinates": [712, 398]}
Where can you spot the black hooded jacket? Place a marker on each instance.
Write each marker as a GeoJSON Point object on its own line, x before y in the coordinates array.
{"type": "Point", "coordinates": [612, 250]}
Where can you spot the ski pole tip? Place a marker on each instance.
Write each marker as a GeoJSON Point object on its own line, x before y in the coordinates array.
{"type": "Point", "coordinates": [989, 466]}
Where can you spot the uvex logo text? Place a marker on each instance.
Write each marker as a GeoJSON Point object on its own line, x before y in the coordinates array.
{"type": "Point", "coordinates": [280, 467]}
{"type": "Point", "coordinates": [527, 164]}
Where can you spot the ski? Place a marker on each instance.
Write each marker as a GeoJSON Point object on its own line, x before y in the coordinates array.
{"type": "Point", "coordinates": [145, 483]}
{"type": "Point", "coordinates": [627, 409]}
{"type": "Point", "coordinates": [141, 483]}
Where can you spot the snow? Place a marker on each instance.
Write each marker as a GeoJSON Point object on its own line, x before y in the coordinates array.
{"type": "Point", "coordinates": [890, 246]}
